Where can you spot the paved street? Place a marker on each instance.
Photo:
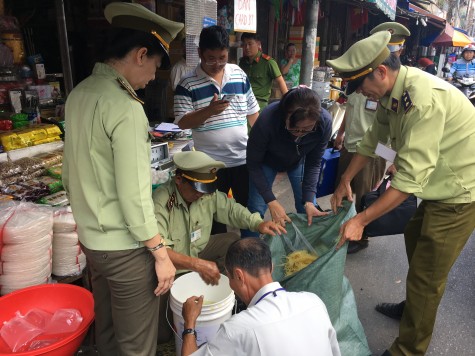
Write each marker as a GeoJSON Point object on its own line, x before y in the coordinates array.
{"type": "Point", "coordinates": [378, 274]}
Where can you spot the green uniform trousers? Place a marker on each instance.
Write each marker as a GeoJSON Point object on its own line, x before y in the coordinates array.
{"type": "Point", "coordinates": [214, 251]}
{"type": "Point", "coordinates": [126, 308]}
{"type": "Point", "coordinates": [434, 238]}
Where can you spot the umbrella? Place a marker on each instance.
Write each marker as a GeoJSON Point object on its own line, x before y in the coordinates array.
{"type": "Point", "coordinates": [451, 37]}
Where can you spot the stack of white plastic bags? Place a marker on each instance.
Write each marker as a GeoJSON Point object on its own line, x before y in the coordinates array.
{"type": "Point", "coordinates": [68, 259]}
{"type": "Point", "coordinates": [25, 245]}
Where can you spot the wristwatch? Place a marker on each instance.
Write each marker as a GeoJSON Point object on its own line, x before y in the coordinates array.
{"type": "Point", "coordinates": [188, 331]}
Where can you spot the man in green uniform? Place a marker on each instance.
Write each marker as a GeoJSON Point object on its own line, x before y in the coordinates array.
{"type": "Point", "coordinates": [260, 68]}
{"type": "Point", "coordinates": [359, 116]}
{"type": "Point", "coordinates": [185, 209]}
{"type": "Point", "coordinates": [432, 129]}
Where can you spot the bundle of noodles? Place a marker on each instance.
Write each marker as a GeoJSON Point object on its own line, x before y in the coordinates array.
{"type": "Point", "coordinates": [297, 261]}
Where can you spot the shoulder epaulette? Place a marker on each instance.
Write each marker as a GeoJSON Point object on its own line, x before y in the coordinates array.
{"type": "Point", "coordinates": [266, 57]}
{"type": "Point", "coordinates": [406, 101]}
{"type": "Point", "coordinates": [129, 90]}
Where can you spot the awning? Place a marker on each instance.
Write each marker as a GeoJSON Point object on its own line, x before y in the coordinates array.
{"type": "Point", "coordinates": [388, 7]}
{"type": "Point", "coordinates": [451, 37]}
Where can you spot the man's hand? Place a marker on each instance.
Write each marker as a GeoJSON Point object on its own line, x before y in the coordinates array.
{"type": "Point", "coordinates": [343, 190]}
{"type": "Point", "coordinates": [352, 230]}
{"type": "Point", "coordinates": [208, 271]}
{"type": "Point", "coordinates": [271, 228]}
{"type": "Point", "coordinates": [191, 311]}
{"type": "Point", "coordinates": [216, 106]}
{"type": "Point", "coordinates": [312, 211]}
{"type": "Point", "coordinates": [338, 144]}
{"type": "Point", "coordinates": [278, 214]}
{"type": "Point", "coordinates": [165, 271]}
{"type": "Point", "coordinates": [391, 170]}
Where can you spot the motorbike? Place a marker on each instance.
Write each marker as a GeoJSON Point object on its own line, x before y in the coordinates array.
{"type": "Point", "coordinates": [467, 87]}
{"type": "Point", "coordinates": [465, 84]}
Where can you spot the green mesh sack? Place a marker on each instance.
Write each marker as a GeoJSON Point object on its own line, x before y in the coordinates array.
{"type": "Point", "coordinates": [325, 276]}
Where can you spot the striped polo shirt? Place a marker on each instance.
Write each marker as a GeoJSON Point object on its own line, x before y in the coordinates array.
{"type": "Point", "coordinates": [222, 136]}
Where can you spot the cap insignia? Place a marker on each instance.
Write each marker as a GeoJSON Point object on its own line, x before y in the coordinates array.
{"type": "Point", "coordinates": [171, 201]}
{"type": "Point", "coordinates": [212, 170]}
{"type": "Point", "coordinates": [132, 93]}
{"type": "Point", "coordinates": [406, 101]}
{"type": "Point", "coordinates": [394, 105]}
{"type": "Point", "coordinates": [391, 31]}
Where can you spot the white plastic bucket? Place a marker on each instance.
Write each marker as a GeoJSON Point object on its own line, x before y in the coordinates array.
{"type": "Point", "coordinates": [217, 306]}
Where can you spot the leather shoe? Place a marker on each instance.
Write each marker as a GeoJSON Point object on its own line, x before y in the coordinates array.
{"type": "Point", "coordinates": [393, 310]}
{"type": "Point", "coordinates": [355, 246]}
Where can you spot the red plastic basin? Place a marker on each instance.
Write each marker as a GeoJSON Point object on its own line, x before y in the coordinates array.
{"type": "Point", "coordinates": [49, 297]}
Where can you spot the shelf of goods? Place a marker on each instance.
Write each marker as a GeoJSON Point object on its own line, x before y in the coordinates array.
{"type": "Point", "coordinates": [38, 238]}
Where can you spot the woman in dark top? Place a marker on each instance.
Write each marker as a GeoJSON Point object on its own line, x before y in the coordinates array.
{"type": "Point", "coordinates": [289, 136]}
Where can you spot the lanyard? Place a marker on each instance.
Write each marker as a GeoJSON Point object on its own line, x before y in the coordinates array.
{"type": "Point", "coordinates": [266, 294]}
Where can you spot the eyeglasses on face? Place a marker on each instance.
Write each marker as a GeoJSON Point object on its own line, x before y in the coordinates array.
{"type": "Point", "coordinates": [213, 63]}
{"type": "Point", "coordinates": [298, 131]}
{"type": "Point", "coordinates": [301, 131]}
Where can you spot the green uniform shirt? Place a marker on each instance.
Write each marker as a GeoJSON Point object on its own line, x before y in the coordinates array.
{"type": "Point", "coordinates": [187, 229]}
{"type": "Point", "coordinates": [261, 71]}
{"type": "Point", "coordinates": [358, 118]}
{"type": "Point", "coordinates": [431, 125]}
{"type": "Point", "coordinates": [106, 167]}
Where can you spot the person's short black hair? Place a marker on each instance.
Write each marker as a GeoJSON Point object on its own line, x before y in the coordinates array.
{"type": "Point", "coordinates": [117, 42]}
{"type": "Point", "coordinates": [250, 36]}
{"type": "Point", "coordinates": [289, 45]}
{"type": "Point", "coordinates": [250, 254]}
{"type": "Point", "coordinates": [303, 103]}
{"type": "Point", "coordinates": [214, 37]}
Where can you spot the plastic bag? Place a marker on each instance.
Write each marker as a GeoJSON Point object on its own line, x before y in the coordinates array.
{"type": "Point", "coordinates": [38, 317]}
{"type": "Point", "coordinates": [55, 171]}
{"type": "Point", "coordinates": [50, 159]}
{"type": "Point", "coordinates": [28, 223]}
{"type": "Point", "coordinates": [325, 276]}
{"type": "Point", "coordinates": [29, 165]}
{"type": "Point", "coordinates": [57, 199]}
{"type": "Point", "coordinates": [63, 220]}
{"type": "Point", "coordinates": [9, 169]}
{"type": "Point", "coordinates": [64, 321]}
{"type": "Point", "coordinates": [18, 332]}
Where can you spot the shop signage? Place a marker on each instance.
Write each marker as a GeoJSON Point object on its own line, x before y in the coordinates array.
{"type": "Point", "coordinates": [208, 21]}
{"type": "Point", "coordinates": [245, 19]}
{"type": "Point", "coordinates": [388, 7]}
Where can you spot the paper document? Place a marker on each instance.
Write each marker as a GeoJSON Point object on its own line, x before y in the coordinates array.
{"type": "Point", "coordinates": [167, 127]}
{"type": "Point", "coordinates": [385, 152]}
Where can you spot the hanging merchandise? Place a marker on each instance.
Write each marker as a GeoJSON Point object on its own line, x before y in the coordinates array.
{"type": "Point", "coordinates": [198, 14]}
{"type": "Point", "coordinates": [358, 18]}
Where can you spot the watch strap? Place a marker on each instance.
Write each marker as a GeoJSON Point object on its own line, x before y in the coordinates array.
{"type": "Point", "coordinates": [188, 331]}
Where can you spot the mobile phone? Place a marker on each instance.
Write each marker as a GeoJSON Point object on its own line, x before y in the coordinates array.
{"type": "Point", "coordinates": [228, 97]}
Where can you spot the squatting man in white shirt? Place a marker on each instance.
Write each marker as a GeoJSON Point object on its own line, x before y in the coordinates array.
{"type": "Point", "coordinates": [276, 322]}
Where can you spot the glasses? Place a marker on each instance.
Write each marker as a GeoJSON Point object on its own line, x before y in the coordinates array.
{"type": "Point", "coordinates": [213, 63]}
{"type": "Point", "coordinates": [298, 131]}
{"type": "Point", "coordinates": [301, 131]}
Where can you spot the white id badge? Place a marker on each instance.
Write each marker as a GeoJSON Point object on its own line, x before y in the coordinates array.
{"type": "Point", "coordinates": [371, 105]}
{"type": "Point", "coordinates": [385, 152]}
{"type": "Point", "coordinates": [195, 235]}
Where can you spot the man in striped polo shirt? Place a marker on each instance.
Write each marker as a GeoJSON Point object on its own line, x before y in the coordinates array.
{"type": "Point", "coordinates": [216, 101]}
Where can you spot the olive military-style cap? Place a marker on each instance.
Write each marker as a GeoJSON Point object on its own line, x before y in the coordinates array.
{"type": "Point", "coordinates": [198, 169]}
{"type": "Point", "coordinates": [137, 17]}
{"type": "Point", "coordinates": [361, 59]}
{"type": "Point", "coordinates": [398, 34]}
